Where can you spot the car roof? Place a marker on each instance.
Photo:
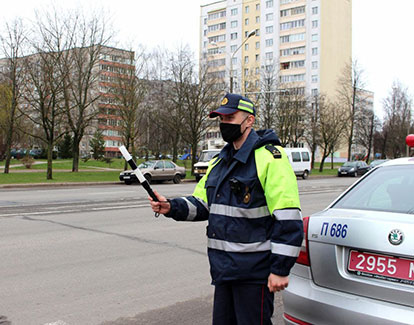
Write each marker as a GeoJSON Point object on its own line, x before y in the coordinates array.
{"type": "Point", "coordinates": [399, 161]}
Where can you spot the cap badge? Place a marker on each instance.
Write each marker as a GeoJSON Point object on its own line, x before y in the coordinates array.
{"type": "Point", "coordinates": [224, 101]}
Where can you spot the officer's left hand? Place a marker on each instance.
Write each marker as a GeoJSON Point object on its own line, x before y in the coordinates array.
{"type": "Point", "coordinates": [277, 282]}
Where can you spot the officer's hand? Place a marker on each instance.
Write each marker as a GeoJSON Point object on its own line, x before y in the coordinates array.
{"type": "Point", "coordinates": [163, 206]}
{"type": "Point", "coordinates": [277, 282]}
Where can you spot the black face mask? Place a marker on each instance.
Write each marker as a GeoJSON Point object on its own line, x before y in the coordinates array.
{"type": "Point", "coordinates": [231, 132]}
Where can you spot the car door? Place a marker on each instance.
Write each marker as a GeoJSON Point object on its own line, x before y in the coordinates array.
{"type": "Point", "coordinates": [169, 169]}
{"type": "Point", "coordinates": [362, 168]}
{"type": "Point", "coordinates": [159, 172]}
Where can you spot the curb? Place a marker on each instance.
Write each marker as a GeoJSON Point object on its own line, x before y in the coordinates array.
{"type": "Point", "coordinates": [28, 185]}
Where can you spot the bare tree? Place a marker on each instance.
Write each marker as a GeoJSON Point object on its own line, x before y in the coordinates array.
{"type": "Point", "coordinates": [12, 47]}
{"type": "Point", "coordinates": [398, 120]}
{"type": "Point", "coordinates": [86, 38]}
{"type": "Point", "coordinates": [197, 96]}
{"type": "Point", "coordinates": [132, 87]}
{"type": "Point", "coordinates": [350, 86]}
{"type": "Point", "coordinates": [44, 83]}
{"type": "Point", "coordinates": [366, 124]}
{"type": "Point", "coordinates": [312, 130]}
{"type": "Point", "coordinates": [332, 121]}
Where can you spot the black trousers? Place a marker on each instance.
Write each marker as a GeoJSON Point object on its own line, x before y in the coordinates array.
{"type": "Point", "coordinates": [242, 304]}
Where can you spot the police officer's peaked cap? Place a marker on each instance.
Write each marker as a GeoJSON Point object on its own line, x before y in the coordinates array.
{"type": "Point", "coordinates": [232, 103]}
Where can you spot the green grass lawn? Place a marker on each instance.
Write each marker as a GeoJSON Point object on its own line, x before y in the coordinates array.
{"type": "Point", "coordinates": [58, 177]}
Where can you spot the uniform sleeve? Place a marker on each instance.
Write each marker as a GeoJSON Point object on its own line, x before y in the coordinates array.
{"type": "Point", "coordinates": [282, 197]}
{"type": "Point", "coordinates": [191, 208]}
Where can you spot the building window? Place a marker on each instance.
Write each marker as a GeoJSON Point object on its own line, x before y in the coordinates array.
{"type": "Point", "coordinates": [269, 17]}
{"type": "Point", "coordinates": [314, 92]}
{"type": "Point", "coordinates": [233, 12]}
{"type": "Point", "coordinates": [269, 29]}
{"type": "Point", "coordinates": [257, 71]}
{"type": "Point", "coordinates": [314, 37]}
{"type": "Point", "coordinates": [298, 10]}
{"type": "Point", "coordinates": [246, 59]}
{"type": "Point", "coordinates": [269, 42]}
{"type": "Point", "coordinates": [246, 46]}
{"type": "Point", "coordinates": [233, 48]}
{"type": "Point", "coordinates": [233, 24]}
{"type": "Point", "coordinates": [246, 21]}
{"type": "Point", "coordinates": [269, 3]}
{"type": "Point", "coordinates": [269, 55]}
{"type": "Point", "coordinates": [256, 83]}
{"type": "Point", "coordinates": [205, 21]}
{"type": "Point", "coordinates": [314, 51]}
{"type": "Point", "coordinates": [233, 36]}
{"type": "Point", "coordinates": [314, 64]}
{"type": "Point", "coordinates": [234, 61]}
{"type": "Point", "coordinates": [257, 57]}
{"type": "Point", "coordinates": [246, 72]}
{"type": "Point", "coordinates": [314, 10]}
{"type": "Point", "coordinates": [314, 24]}
{"type": "Point", "coordinates": [257, 32]}
{"type": "Point", "coordinates": [247, 9]}
{"type": "Point", "coordinates": [257, 6]}
{"type": "Point", "coordinates": [292, 38]}
{"type": "Point", "coordinates": [257, 19]}
{"type": "Point", "coordinates": [292, 24]}
{"type": "Point", "coordinates": [314, 78]}
{"type": "Point", "coordinates": [257, 45]}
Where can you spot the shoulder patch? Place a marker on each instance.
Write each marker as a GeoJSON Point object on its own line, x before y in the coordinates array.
{"type": "Point", "coordinates": [274, 151]}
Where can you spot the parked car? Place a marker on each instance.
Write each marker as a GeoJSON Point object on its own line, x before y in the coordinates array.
{"type": "Point", "coordinates": [155, 170]}
{"type": "Point", "coordinates": [353, 168]}
{"type": "Point", "coordinates": [300, 160]}
{"type": "Point", "coordinates": [376, 162]}
{"type": "Point", "coordinates": [356, 265]}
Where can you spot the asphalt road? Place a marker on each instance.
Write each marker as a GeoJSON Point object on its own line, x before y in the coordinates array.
{"type": "Point", "coordinates": [96, 255]}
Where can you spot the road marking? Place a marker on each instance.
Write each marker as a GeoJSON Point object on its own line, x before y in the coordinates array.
{"type": "Point", "coordinates": [130, 206]}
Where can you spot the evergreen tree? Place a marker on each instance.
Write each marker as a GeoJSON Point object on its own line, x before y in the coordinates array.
{"type": "Point", "coordinates": [65, 147]}
{"type": "Point", "coordinates": [97, 145]}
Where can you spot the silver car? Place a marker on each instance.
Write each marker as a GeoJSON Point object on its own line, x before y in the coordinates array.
{"type": "Point", "coordinates": [356, 265]}
{"type": "Point", "coordinates": [155, 170]}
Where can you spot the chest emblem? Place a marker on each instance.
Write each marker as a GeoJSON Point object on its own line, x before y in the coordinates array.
{"type": "Point", "coordinates": [246, 198]}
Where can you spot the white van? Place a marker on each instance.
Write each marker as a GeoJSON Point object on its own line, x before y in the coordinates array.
{"type": "Point", "coordinates": [300, 159]}
{"type": "Point", "coordinates": [200, 168]}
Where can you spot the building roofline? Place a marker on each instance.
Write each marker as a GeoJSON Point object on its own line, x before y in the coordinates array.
{"type": "Point", "coordinates": [209, 4]}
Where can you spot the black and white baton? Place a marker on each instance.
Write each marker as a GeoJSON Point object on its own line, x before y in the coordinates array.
{"type": "Point", "coordinates": [138, 173]}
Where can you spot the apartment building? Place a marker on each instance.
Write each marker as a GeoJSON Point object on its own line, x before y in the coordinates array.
{"type": "Point", "coordinates": [305, 43]}
{"type": "Point", "coordinates": [113, 63]}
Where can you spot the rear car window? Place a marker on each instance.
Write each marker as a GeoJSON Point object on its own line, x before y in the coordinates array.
{"type": "Point", "coordinates": [388, 188]}
{"type": "Point", "coordinates": [295, 156]}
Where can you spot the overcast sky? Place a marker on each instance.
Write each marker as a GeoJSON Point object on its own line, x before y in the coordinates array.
{"type": "Point", "coordinates": [382, 31]}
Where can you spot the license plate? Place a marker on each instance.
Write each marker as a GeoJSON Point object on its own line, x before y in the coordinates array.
{"type": "Point", "coordinates": [343, 173]}
{"type": "Point", "coordinates": [202, 171]}
{"type": "Point", "coordinates": [127, 177]}
{"type": "Point", "coordinates": [382, 267]}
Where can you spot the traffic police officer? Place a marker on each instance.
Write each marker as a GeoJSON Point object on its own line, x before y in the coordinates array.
{"type": "Point", "coordinates": [250, 198]}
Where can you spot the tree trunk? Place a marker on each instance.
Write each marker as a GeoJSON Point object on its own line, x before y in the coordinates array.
{"type": "Point", "coordinates": [332, 165]}
{"type": "Point", "coordinates": [75, 152]}
{"type": "Point", "coordinates": [49, 160]}
{"type": "Point", "coordinates": [323, 160]}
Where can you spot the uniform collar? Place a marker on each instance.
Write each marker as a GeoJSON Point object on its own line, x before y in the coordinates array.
{"type": "Point", "coordinates": [244, 152]}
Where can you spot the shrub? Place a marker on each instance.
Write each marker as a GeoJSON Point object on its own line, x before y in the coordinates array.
{"type": "Point", "coordinates": [27, 161]}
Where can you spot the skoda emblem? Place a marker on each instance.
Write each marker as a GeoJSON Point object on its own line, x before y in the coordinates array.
{"type": "Point", "coordinates": [395, 237]}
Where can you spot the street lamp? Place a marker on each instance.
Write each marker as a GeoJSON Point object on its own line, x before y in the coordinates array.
{"type": "Point", "coordinates": [252, 33]}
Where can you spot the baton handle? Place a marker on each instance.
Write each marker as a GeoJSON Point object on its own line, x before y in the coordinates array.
{"type": "Point", "coordinates": [149, 190]}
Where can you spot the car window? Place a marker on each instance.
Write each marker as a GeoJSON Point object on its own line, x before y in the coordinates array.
{"type": "Point", "coordinates": [295, 156]}
{"type": "Point", "coordinates": [169, 164]}
{"type": "Point", "coordinates": [305, 156]}
{"type": "Point", "coordinates": [349, 164]}
{"type": "Point", "coordinates": [385, 189]}
{"type": "Point", "coordinates": [208, 155]}
{"type": "Point", "coordinates": [147, 164]}
{"type": "Point", "coordinates": [159, 164]}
